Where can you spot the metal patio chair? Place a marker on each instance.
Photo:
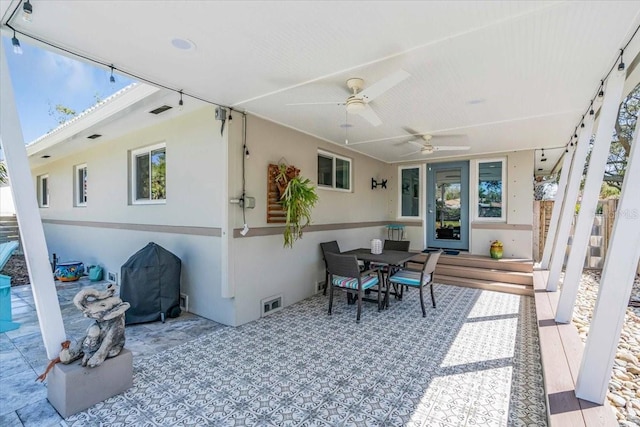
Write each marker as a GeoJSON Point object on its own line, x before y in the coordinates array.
{"type": "Point", "coordinates": [344, 273]}
{"type": "Point", "coordinates": [418, 278]}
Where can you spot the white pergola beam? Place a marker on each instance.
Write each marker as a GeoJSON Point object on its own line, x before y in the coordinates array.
{"type": "Point", "coordinates": [569, 203]}
{"type": "Point", "coordinates": [557, 208]}
{"type": "Point", "coordinates": [590, 195]}
{"type": "Point", "coordinates": [615, 288]}
{"type": "Point", "coordinates": [29, 222]}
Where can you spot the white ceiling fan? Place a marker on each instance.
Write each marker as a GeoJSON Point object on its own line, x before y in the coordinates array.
{"type": "Point", "coordinates": [426, 147]}
{"type": "Point", "coordinates": [358, 101]}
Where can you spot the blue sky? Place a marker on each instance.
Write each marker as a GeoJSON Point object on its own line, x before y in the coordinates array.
{"type": "Point", "coordinates": [42, 79]}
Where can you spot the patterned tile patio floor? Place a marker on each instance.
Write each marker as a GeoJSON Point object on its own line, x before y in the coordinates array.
{"type": "Point", "coordinates": [473, 361]}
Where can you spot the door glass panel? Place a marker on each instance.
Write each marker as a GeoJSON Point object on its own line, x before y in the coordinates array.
{"type": "Point", "coordinates": [447, 220]}
{"type": "Point", "coordinates": [490, 190]}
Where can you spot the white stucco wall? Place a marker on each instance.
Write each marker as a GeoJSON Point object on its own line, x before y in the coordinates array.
{"type": "Point", "coordinates": [262, 267]}
{"type": "Point", "coordinates": [194, 173]}
{"type": "Point", "coordinates": [6, 201]}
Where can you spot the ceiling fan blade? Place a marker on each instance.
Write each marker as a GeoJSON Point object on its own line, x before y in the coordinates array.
{"type": "Point", "coordinates": [451, 148]}
{"type": "Point", "coordinates": [411, 154]}
{"type": "Point", "coordinates": [317, 103]}
{"type": "Point", "coordinates": [417, 142]}
{"type": "Point", "coordinates": [381, 86]}
{"type": "Point", "coordinates": [369, 115]}
{"type": "Point", "coordinates": [441, 136]}
{"type": "Point", "coordinates": [412, 132]}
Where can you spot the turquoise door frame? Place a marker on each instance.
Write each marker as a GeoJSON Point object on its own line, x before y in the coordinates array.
{"type": "Point", "coordinates": [460, 240]}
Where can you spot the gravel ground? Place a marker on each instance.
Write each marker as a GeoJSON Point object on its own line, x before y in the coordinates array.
{"type": "Point", "coordinates": [16, 267]}
{"type": "Point", "coordinates": [624, 386]}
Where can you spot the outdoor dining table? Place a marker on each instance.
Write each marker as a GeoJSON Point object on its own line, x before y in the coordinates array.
{"type": "Point", "coordinates": [395, 259]}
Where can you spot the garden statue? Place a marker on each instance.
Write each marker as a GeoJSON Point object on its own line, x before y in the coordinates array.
{"type": "Point", "coordinates": [105, 337]}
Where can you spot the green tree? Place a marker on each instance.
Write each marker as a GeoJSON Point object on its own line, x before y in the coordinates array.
{"type": "Point", "coordinates": [3, 173]}
{"type": "Point", "coordinates": [61, 113]}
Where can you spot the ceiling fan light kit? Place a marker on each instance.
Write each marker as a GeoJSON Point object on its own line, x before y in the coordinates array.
{"type": "Point", "coordinates": [355, 105]}
{"type": "Point", "coordinates": [359, 99]}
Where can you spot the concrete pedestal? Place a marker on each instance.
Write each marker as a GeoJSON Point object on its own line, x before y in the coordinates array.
{"type": "Point", "coordinates": [72, 388]}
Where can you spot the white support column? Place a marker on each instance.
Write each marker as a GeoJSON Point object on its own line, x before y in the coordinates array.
{"type": "Point", "coordinates": [567, 210]}
{"type": "Point", "coordinates": [25, 200]}
{"type": "Point", "coordinates": [615, 287]}
{"type": "Point", "coordinates": [557, 208]}
{"type": "Point", "coordinates": [590, 194]}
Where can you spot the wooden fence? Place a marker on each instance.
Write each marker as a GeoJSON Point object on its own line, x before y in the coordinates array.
{"type": "Point", "coordinates": [9, 230]}
{"type": "Point", "coordinates": [600, 232]}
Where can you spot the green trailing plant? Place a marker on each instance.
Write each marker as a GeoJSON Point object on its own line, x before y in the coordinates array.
{"type": "Point", "coordinates": [298, 196]}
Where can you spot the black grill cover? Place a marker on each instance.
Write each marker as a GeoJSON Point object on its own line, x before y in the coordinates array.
{"type": "Point", "coordinates": [150, 282]}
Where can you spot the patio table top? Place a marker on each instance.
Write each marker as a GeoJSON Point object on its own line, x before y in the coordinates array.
{"type": "Point", "coordinates": [386, 257]}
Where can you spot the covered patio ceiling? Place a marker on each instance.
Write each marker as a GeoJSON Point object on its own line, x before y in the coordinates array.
{"type": "Point", "coordinates": [495, 76]}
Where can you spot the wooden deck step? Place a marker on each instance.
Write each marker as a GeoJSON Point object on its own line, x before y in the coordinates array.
{"type": "Point", "coordinates": [477, 261]}
{"type": "Point", "coordinates": [510, 288]}
{"type": "Point", "coordinates": [489, 274]}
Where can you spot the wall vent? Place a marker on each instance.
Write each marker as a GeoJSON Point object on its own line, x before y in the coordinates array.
{"type": "Point", "coordinates": [270, 305]}
{"type": "Point", "coordinates": [160, 109]}
{"type": "Point", "coordinates": [94, 136]}
{"type": "Point", "coordinates": [184, 302]}
{"type": "Point", "coordinates": [112, 277]}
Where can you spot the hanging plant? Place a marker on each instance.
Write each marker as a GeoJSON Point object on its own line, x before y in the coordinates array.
{"type": "Point", "coordinates": [297, 197]}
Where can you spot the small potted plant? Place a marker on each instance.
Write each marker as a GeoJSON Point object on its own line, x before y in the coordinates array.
{"type": "Point", "coordinates": [297, 196]}
{"type": "Point", "coordinates": [496, 249]}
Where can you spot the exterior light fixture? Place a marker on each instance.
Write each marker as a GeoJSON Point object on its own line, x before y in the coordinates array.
{"type": "Point", "coordinates": [601, 91]}
{"type": "Point", "coordinates": [16, 44]}
{"type": "Point", "coordinates": [112, 79]}
{"type": "Point", "coordinates": [27, 11]}
{"type": "Point", "coordinates": [181, 102]}
{"type": "Point", "coordinates": [621, 64]}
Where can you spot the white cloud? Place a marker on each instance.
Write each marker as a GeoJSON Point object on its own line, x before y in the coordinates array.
{"type": "Point", "coordinates": [74, 76]}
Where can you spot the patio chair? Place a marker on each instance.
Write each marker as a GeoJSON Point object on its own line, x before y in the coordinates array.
{"type": "Point", "coordinates": [332, 247]}
{"type": "Point", "coordinates": [418, 278]}
{"type": "Point", "coordinates": [328, 247]}
{"type": "Point", "coordinates": [345, 273]}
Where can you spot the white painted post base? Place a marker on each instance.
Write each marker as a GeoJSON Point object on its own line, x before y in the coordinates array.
{"type": "Point", "coordinates": [72, 388]}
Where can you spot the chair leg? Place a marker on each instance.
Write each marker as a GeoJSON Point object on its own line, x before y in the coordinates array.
{"type": "Point", "coordinates": [326, 283]}
{"type": "Point", "coordinates": [433, 299]}
{"type": "Point", "coordinates": [330, 299]}
{"type": "Point", "coordinates": [424, 313]}
{"type": "Point", "coordinates": [359, 305]}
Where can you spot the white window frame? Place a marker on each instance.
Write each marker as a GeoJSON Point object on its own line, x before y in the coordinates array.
{"type": "Point", "coordinates": [41, 202]}
{"type": "Point", "coordinates": [78, 198]}
{"type": "Point", "coordinates": [133, 184]}
{"type": "Point", "coordinates": [333, 156]}
{"type": "Point", "coordinates": [420, 191]}
{"type": "Point", "coordinates": [475, 184]}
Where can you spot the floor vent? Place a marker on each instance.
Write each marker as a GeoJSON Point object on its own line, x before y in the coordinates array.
{"type": "Point", "coordinates": [270, 305]}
